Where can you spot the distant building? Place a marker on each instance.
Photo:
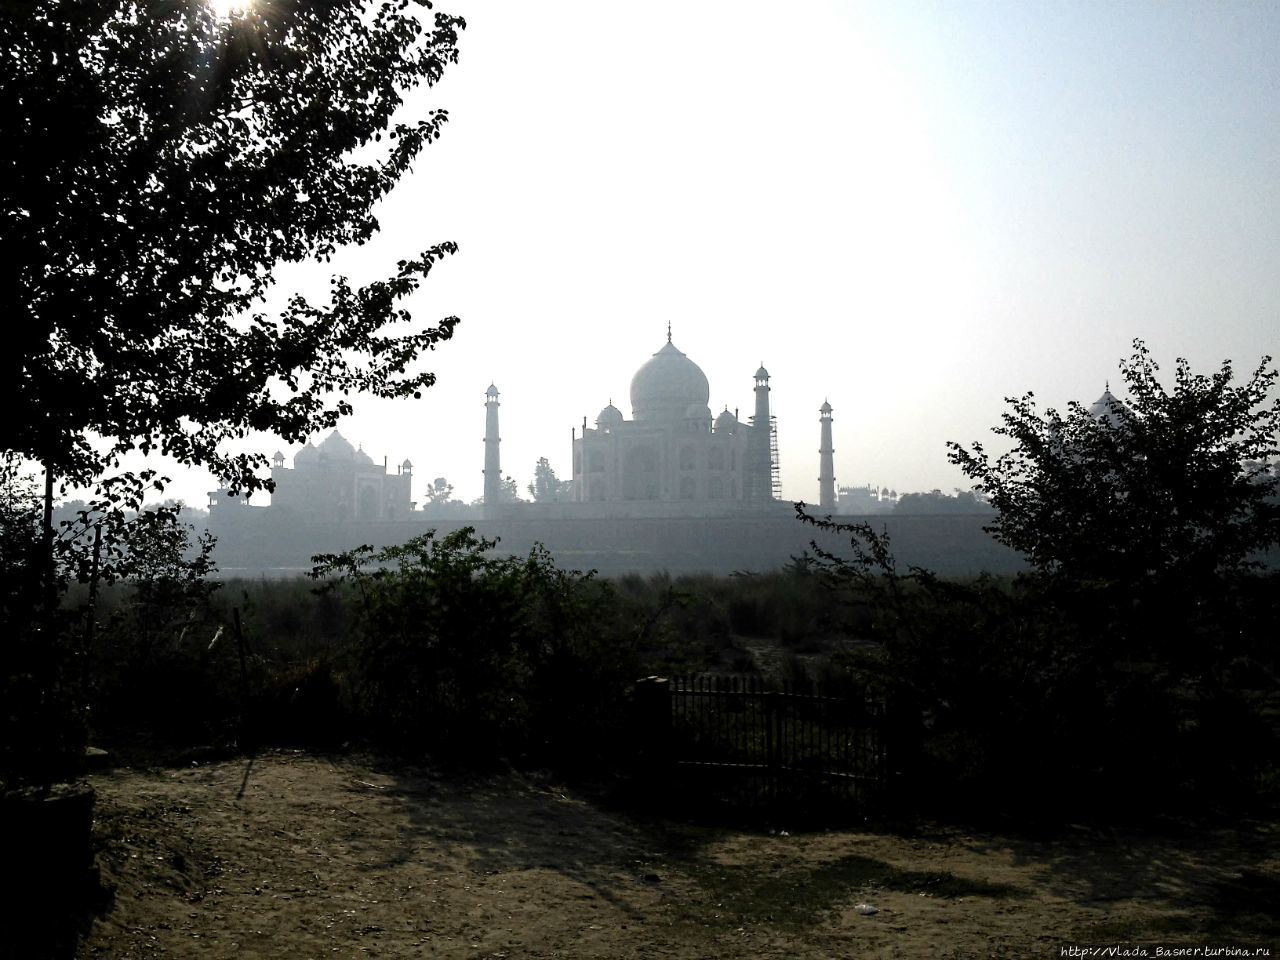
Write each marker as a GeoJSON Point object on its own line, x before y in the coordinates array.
{"type": "Point", "coordinates": [865, 500]}
{"type": "Point", "coordinates": [335, 481]}
{"type": "Point", "coordinates": [1108, 408]}
{"type": "Point", "coordinates": [671, 458]}
{"type": "Point", "coordinates": [672, 449]}
{"type": "Point", "coordinates": [671, 488]}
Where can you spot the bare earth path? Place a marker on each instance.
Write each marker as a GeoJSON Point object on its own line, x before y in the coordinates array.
{"type": "Point", "coordinates": [298, 856]}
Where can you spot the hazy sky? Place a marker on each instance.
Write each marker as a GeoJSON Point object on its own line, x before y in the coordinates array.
{"type": "Point", "coordinates": [911, 210]}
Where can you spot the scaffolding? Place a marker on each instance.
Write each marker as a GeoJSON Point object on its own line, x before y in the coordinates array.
{"type": "Point", "coordinates": [762, 460]}
{"type": "Point", "coordinates": [775, 474]}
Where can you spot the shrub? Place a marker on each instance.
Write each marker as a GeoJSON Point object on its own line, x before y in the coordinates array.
{"type": "Point", "coordinates": [42, 731]}
{"type": "Point", "coordinates": [161, 664]}
{"type": "Point", "coordinates": [480, 657]}
{"type": "Point", "coordinates": [1011, 696]}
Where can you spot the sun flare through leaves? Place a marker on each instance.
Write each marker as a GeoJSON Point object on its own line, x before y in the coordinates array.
{"type": "Point", "coordinates": [226, 9]}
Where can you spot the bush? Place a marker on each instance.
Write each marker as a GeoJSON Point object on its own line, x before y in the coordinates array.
{"type": "Point", "coordinates": [478, 657]}
{"type": "Point", "coordinates": [1011, 696]}
{"type": "Point", "coordinates": [42, 727]}
{"type": "Point", "coordinates": [162, 664]}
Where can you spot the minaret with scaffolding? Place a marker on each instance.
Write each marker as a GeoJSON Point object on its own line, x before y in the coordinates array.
{"type": "Point", "coordinates": [761, 480]}
{"type": "Point", "coordinates": [826, 462]}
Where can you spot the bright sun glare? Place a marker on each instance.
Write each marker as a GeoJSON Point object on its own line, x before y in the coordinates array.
{"type": "Point", "coordinates": [225, 8]}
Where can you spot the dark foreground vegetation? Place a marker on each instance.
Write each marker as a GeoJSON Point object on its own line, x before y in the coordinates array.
{"type": "Point", "coordinates": [1131, 671]}
{"type": "Point", "coordinates": [1002, 698]}
{"type": "Point", "coordinates": [440, 647]}
{"type": "Point", "coordinates": [1128, 676]}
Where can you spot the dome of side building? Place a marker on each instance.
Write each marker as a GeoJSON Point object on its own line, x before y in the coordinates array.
{"type": "Point", "coordinates": [609, 419]}
{"type": "Point", "coordinates": [726, 422]}
{"type": "Point", "coordinates": [337, 447]}
{"type": "Point", "coordinates": [699, 414]}
{"type": "Point", "coordinates": [1108, 408]}
{"type": "Point", "coordinates": [307, 455]}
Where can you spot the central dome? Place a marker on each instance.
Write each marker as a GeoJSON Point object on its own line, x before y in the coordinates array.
{"type": "Point", "coordinates": [337, 447]}
{"type": "Point", "coordinates": [667, 385]}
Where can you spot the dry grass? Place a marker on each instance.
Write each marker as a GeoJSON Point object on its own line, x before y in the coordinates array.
{"type": "Point", "coordinates": [292, 855]}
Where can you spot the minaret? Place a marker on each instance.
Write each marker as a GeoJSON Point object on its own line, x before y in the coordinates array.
{"type": "Point", "coordinates": [759, 478]}
{"type": "Point", "coordinates": [492, 471]}
{"type": "Point", "coordinates": [826, 462]}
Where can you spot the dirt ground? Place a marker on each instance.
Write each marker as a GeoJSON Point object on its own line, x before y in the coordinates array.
{"type": "Point", "coordinates": [299, 856]}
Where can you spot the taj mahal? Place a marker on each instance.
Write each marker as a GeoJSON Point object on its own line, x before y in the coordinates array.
{"type": "Point", "coordinates": [673, 486]}
{"type": "Point", "coordinates": [671, 458]}
{"type": "Point", "coordinates": [671, 449]}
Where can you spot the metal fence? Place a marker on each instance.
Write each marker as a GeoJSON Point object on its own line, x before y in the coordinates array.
{"type": "Point", "coordinates": [743, 740]}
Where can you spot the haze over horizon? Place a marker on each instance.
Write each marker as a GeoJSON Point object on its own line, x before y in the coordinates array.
{"type": "Point", "coordinates": [909, 211]}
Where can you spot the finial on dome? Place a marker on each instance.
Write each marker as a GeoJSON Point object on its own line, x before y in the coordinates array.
{"type": "Point", "coordinates": [668, 331]}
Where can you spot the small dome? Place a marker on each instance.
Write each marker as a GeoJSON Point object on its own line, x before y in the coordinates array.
{"type": "Point", "coordinates": [278, 457]}
{"type": "Point", "coordinates": [308, 454]}
{"type": "Point", "coordinates": [726, 422]}
{"type": "Point", "coordinates": [336, 447]}
{"type": "Point", "coordinates": [363, 458]}
{"type": "Point", "coordinates": [406, 466]}
{"type": "Point", "coordinates": [1108, 408]}
{"type": "Point", "coordinates": [609, 418]}
{"type": "Point", "coordinates": [492, 391]}
{"type": "Point", "coordinates": [667, 385]}
{"type": "Point", "coordinates": [762, 373]}
{"type": "Point", "coordinates": [825, 408]}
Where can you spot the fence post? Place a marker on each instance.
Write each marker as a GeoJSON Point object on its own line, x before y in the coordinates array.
{"type": "Point", "coordinates": [900, 749]}
{"type": "Point", "coordinates": [653, 728]}
{"type": "Point", "coordinates": [781, 754]}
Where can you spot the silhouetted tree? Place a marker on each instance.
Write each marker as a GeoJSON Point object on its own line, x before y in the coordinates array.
{"type": "Point", "coordinates": [508, 491]}
{"type": "Point", "coordinates": [935, 501]}
{"type": "Point", "coordinates": [1170, 486]}
{"type": "Point", "coordinates": [439, 490]}
{"type": "Point", "coordinates": [160, 163]}
{"type": "Point", "coordinates": [546, 486]}
{"type": "Point", "coordinates": [1138, 651]}
{"type": "Point", "coordinates": [1146, 524]}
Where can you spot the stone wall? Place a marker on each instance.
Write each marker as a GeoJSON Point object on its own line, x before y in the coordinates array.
{"type": "Point", "coordinates": [256, 541]}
